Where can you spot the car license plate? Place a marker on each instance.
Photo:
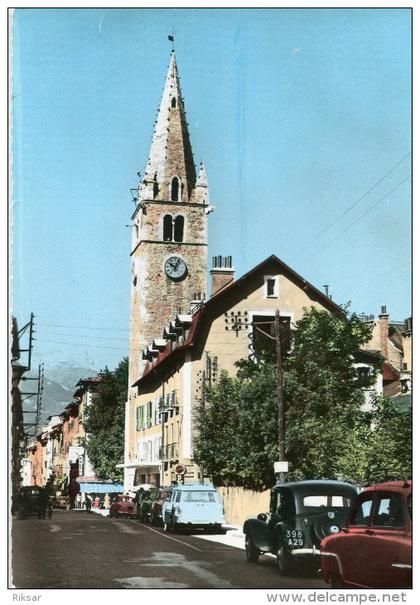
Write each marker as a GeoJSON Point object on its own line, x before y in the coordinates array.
{"type": "Point", "coordinates": [295, 538]}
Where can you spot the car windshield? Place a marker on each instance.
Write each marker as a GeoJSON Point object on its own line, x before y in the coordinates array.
{"type": "Point", "coordinates": [327, 500]}
{"type": "Point", "coordinates": [198, 496]}
{"type": "Point", "coordinates": [389, 511]}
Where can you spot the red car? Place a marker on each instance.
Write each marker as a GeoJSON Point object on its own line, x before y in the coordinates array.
{"type": "Point", "coordinates": [123, 506]}
{"type": "Point", "coordinates": [374, 549]}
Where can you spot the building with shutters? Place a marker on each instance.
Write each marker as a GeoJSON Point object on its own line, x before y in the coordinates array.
{"type": "Point", "coordinates": [192, 348]}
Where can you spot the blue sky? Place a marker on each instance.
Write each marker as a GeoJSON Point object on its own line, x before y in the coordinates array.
{"type": "Point", "coordinates": [302, 117]}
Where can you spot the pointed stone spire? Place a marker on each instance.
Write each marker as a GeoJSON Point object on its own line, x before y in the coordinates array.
{"type": "Point", "coordinates": [170, 171]}
{"type": "Point", "coordinates": [201, 191]}
{"type": "Point", "coordinates": [202, 176]}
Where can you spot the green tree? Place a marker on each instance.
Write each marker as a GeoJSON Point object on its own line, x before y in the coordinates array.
{"type": "Point", "coordinates": [237, 436]}
{"type": "Point", "coordinates": [380, 446]}
{"type": "Point", "coordinates": [235, 432]}
{"type": "Point", "coordinates": [104, 423]}
{"type": "Point", "coordinates": [322, 394]}
{"type": "Point", "coordinates": [330, 432]}
{"type": "Point", "coordinates": [389, 447]}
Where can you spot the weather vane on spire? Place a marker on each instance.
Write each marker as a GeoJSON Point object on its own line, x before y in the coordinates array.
{"type": "Point", "coordinates": [172, 39]}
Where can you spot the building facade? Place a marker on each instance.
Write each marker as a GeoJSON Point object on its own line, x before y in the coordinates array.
{"type": "Point", "coordinates": [60, 451]}
{"type": "Point", "coordinates": [196, 346]}
{"type": "Point", "coordinates": [392, 340]}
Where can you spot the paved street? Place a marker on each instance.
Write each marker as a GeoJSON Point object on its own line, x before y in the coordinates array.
{"type": "Point", "coordinates": [79, 550]}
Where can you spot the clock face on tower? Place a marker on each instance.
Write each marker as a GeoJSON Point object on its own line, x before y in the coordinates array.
{"type": "Point", "coordinates": [175, 268]}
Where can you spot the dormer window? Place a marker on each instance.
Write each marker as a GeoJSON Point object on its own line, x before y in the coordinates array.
{"type": "Point", "coordinates": [173, 103]}
{"type": "Point", "coordinates": [175, 189]}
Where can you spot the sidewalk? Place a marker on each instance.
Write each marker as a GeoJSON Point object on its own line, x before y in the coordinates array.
{"type": "Point", "coordinates": [100, 511]}
{"type": "Point", "coordinates": [234, 536]}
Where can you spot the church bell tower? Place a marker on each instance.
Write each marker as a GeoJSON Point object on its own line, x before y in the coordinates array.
{"type": "Point", "coordinates": [169, 227]}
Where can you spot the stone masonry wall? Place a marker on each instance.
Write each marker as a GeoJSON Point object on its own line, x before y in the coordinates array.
{"type": "Point", "coordinates": [155, 297]}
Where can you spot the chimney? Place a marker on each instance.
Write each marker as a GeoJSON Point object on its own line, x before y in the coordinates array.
{"type": "Point", "coordinates": [222, 273]}
{"type": "Point", "coordinates": [383, 328]}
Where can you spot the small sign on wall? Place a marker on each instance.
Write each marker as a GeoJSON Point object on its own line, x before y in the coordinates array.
{"type": "Point", "coordinates": [281, 466]}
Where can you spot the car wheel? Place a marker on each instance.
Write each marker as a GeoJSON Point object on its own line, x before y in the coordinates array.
{"type": "Point", "coordinates": [283, 560]}
{"type": "Point", "coordinates": [251, 551]}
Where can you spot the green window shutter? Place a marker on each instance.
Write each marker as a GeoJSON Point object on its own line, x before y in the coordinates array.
{"type": "Point", "coordinates": [140, 418]}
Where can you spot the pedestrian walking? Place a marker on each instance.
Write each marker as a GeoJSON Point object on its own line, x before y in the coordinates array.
{"type": "Point", "coordinates": [42, 503]}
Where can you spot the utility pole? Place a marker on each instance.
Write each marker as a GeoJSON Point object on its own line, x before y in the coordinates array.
{"type": "Point", "coordinates": [19, 436]}
{"type": "Point", "coordinates": [236, 322]}
{"type": "Point", "coordinates": [280, 400]}
{"type": "Point", "coordinates": [38, 393]}
{"type": "Point", "coordinates": [17, 349]}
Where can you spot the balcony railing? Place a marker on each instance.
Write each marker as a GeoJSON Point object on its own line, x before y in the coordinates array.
{"type": "Point", "coordinates": [169, 452]}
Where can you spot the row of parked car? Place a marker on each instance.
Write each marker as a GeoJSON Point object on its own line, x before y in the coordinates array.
{"type": "Point", "coordinates": [181, 507]}
{"type": "Point", "coordinates": [361, 540]}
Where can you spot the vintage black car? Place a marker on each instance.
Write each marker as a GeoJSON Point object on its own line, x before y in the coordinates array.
{"type": "Point", "coordinates": [301, 514]}
{"type": "Point", "coordinates": [28, 501]}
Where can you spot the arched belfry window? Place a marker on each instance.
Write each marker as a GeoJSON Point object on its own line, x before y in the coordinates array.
{"type": "Point", "coordinates": [167, 228]}
{"type": "Point", "coordinates": [179, 228]}
{"type": "Point", "coordinates": [175, 189]}
{"type": "Point", "coordinates": [173, 102]}
{"type": "Point", "coordinates": [173, 228]}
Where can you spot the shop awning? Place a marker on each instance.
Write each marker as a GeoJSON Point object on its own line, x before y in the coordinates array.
{"type": "Point", "coordinates": [101, 488]}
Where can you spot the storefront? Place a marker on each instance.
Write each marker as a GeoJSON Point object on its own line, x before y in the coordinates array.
{"type": "Point", "coordinates": [137, 474]}
{"type": "Point", "coordinates": [96, 492]}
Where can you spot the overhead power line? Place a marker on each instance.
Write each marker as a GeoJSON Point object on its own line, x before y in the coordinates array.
{"type": "Point", "coordinates": [364, 213]}
{"type": "Point", "coordinates": [335, 221]}
{"type": "Point", "coordinates": [125, 338]}
{"type": "Point", "coordinates": [83, 344]}
{"type": "Point", "coordinates": [80, 327]}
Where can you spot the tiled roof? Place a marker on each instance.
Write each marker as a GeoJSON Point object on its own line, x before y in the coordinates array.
{"type": "Point", "coordinates": [316, 294]}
